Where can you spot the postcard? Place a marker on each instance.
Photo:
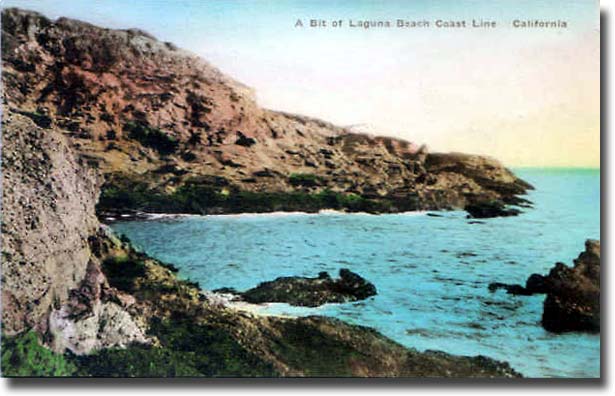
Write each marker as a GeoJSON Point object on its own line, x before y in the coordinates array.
{"type": "Point", "coordinates": [301, 189]}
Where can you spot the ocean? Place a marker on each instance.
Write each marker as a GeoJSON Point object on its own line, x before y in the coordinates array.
{"type": "Point", "coordinates": [432, 273]}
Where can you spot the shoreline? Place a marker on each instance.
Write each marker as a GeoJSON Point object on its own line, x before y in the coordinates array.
{"type": "Point", "coordinates": [148, 216]}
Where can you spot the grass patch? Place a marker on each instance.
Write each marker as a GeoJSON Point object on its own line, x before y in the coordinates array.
{"type": "Point", "coordinates": [187, 349]}
{"type": "Point", "coordinates": [135, 361]}
{"type": "Point", "coordinates": [24, 356]}
{"type": "Point", "coordinates": [314, 352]}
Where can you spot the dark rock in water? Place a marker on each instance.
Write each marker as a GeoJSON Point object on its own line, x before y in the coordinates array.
{"type": "Point", "coordinates": [487, 209]}
{"type": "Point", "coordinates": [354, 285]}
{"type": "Point", "coordinates": [573, 294]}
{"type": "Point", "coordinates": [515, 289]}
{"type": "Point", "coordinates": [535, 284]}
{"type": "Point", "coordinates": [434, 215]}
{"type": "Point", "coordinates": [573, 298]}
{"type": "Point", "coordinates": [312, 292]}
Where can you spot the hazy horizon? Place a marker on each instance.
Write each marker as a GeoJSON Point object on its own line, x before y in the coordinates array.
{"type": "Point", "coordinates": [528, 97]}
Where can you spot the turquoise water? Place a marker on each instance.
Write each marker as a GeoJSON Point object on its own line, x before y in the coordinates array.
{"type": "Point", "coordinates": [431, 272]}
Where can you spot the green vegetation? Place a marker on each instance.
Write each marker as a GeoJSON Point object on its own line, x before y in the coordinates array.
{"type": "Point", "coordinates": [122, 272]}
{"type": "Point", "coordinates": [151, 137]}
{"type": "Point", "coordinates": [187, 349]}
{"type": "Point", "coordinates": [208, 199]}
{"type": "Point", "coordinates": [304, 179]}
{"type": "Point", "coordinates": [309, 348]}
{"type": "Point", "coordinates": [133, 195]}
{"type": "Point", "coordinates": [188, 156]}
{"type": "Point", "coordinates": [135, 361]}
{"type": "Point", "coordinates": [24, 356]}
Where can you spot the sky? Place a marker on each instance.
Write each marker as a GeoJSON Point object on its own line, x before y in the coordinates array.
{"type": "Point", "coordinates": [528, 97]}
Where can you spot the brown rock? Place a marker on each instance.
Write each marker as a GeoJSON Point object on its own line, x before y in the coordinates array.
{"type": "Point", "coordinates": [573, 299]}
{"type": "Point", "coordinates": [84, 78]}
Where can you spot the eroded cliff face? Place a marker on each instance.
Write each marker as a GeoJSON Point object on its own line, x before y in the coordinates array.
{"type": "Point", "coordinates": [51, 281]}
{"type": "Point", "coordinates": [147, 113]}
{"type": "Point", "coordinates": [48, 215]}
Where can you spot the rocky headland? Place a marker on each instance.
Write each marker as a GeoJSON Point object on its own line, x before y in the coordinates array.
{"type": "Point", "coordinates": [170, 133]}
{"type": "Point", "coordinates": [309, 292]}
{"type": "Point", "coordinates": [572, 300]}
{"type": "Point", "coordinates": [117, 120]}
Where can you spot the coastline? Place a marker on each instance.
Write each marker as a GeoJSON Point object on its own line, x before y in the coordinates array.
{"type": "Point", "coordinates": [145, 216]}
{"type": "Point", "coordinates": [77, 152]}
{"type": "Point", "coordinates": [514, 258]}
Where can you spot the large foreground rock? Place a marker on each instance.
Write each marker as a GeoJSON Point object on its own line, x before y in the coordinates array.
{"type": "Point", "coordinates": [51, 277]}
{"type": "Point", "coordinates": [311, 292]}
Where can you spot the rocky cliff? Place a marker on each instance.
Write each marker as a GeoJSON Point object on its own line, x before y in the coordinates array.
{"type": "Point", "coordinates": [51, 281]}
{"type": "Point", "coordinates": [85, 106]}
{"type": "Point", "coordinates": [162, 122]}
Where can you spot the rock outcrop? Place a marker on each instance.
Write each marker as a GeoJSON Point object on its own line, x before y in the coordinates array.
{"type": "Point", "coordinates": [482, 210]}
{"type": "Point", "coordinates": [310, 292]}
{"type": "Point", "coordinates": [573, 294]}
{"type": "Point", "coordinates": [50, 276]}
{"type": "Point", "coordinates": [162, 124]}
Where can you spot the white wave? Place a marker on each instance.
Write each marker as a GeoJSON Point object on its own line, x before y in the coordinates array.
{"type": "Point", "coordinates": [322, 212]}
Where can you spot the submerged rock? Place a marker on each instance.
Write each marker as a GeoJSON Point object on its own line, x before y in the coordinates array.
{"type": "Point", "coordinates": [486, 209]}
{"type": "Point", "coordinates": [514, 289]}
{"type": "Point", "coordinates": [311, 292]}
{"type": "Point", "coordinates": [535, 284]}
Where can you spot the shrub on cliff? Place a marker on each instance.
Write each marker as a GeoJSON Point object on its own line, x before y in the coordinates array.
{"type": "Point", "coordinates": [151, 137]}
{"type": "Point", "coordinates": [304, 179]}
{"type": "Point", "coordinates": [122, 272]}
{"type": "Point", "coordinates": [24, 356]}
